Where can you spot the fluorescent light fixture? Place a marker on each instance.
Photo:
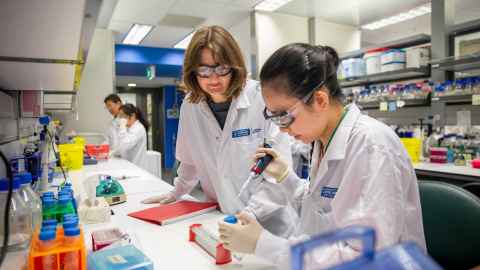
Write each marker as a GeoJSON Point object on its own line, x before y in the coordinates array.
{"type": "Point", "coordinates": [271, 5]}
{"type": "Point", "coordinates": [183, 44]}
{"type": "Point", "coordinates": [132, 84]}
{"type": "Point", "coordinates": [416, 12]}
{"type": "Point", "coordinates": [137, 33]}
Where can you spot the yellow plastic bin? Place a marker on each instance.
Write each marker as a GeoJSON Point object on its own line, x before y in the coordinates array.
{"type": "Point", "coordinates": [79, 140]}
{"type": "Point", "coordinates": [71, 156]}
{"type": "Point", "coordinates": [414, 148]}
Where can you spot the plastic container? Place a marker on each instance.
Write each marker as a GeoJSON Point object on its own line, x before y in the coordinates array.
{"type": "Point", "coordinates": [404, 256]}
{"type": "Point", "coordinates": [47, 243]}
{"type": "Point", "coordinates": [393, 56]}
{"type": "Point", "coordinates": [99, 152]}
{"type": "Point", "coordinates": [438, 151]}
{"type": "Point", "coordinates": [353, 67]}
{"type": "Point", "coordinates": [30, 198]}
{"type": "Point", "coordinates": [49, 206]}
{"type": "Point", "coordinates": [20, 219]}
{"type": "Point", "coordinates": [71, 156]}
{"type": "Point", "coordinates": [125, 257]}
{"type": "Point", "coordinates": [438, 159]}
{"type": "Point", "coordinates": [71, 260]}
{"type": "Point", "coordinates": [417, 57]}
{"type": "Point", "coordinates": [476, 163]}
{"type": "Point", "coordinates": [372, 61]}
{"type": "Point", "coordinates": [103, 238]}
{"type": "Point", "coordinates": [64, 206]}
{"type": "Point", "coordinates": [393, 66]}
{"type": "Point", "coordinates": [57, 250]}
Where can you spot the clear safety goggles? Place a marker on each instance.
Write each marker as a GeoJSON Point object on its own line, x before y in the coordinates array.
{"type": "Point", "coordinates": [207, 71]}
{"type": "Point", "coordinates": [285, 119]}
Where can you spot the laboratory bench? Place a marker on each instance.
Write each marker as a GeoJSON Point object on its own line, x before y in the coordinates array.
{"type": "Point", "coordinates": [446, 172]}
{"type": "Point", "coordinates": [167, 246]}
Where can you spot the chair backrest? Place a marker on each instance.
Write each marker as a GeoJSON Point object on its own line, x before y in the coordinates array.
{"type": "Point", "coordinates": [451, 220]}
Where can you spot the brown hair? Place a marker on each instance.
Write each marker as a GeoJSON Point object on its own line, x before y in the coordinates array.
{"type": "Point", "coordinates": [225, 51]}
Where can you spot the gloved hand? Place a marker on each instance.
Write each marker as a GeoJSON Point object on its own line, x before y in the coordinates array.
{"type": "Point", "coordinates": [240, 237]}
{"type": "Point", "coordinates": [123, 123]}
{"type": "Point", "coordinates": [277, 168]}
{"type": "Point", "coordinates": [162, 199]}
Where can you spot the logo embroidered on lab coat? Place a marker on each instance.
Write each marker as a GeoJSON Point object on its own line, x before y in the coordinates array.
{"type": "Point", "coordinates": [328, 192]}
{"type": "Point", "coordinates": [241, 133]}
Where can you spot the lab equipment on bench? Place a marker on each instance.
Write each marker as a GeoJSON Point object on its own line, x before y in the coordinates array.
{"type": "Point", "coordinates": [93, 210]}
{"type": "Point", "coordinates": [126, 257]}
{"type": "Point", "coordinates": [403, 256]}
{"type": "Point", "coordinates": [106, 237]}
{"type": "Point", "coordinates": [256, 170]}
{"type": "Point", "coordinates": [55, 248]}
{"type": "Point", "coordinates": [210, 242]}
{"type": "Point", "coordinates": [20, 219]}
{"type": "Point", "coordinates": [30, 198]}
{"type": "Point", "coordinates": [111, 190]}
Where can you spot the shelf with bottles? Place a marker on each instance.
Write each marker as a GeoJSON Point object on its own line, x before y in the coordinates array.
{"type": "Point", "coordinates": [403, 95]}
{"type": "Point", "coordinates": [457, 64]}
{"type": "Point", "coordinates": [458, 149]}
{"type": "Point", "coordinates": [460, 91]}
{"type": "Point", "coordinates": [389, 76]}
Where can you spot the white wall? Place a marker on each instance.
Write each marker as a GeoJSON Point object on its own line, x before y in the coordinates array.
{"type": "Point", "coordinates": [96, 83]}
{"type": "Point", "coordinates": [241, 33]}
{"type": "Point", "coordinates": [274, 30]}
{"type": "Point", "coordinates": [419, 25]}
{"type": "Point", "coordinates": [343, 38]}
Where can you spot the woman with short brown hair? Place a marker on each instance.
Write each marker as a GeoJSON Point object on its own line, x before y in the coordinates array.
{"type": "Point", "coordinates": [220, 128]}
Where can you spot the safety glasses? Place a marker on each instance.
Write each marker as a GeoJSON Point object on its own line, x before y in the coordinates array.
{"type": "Point", "coordinates": [285, 119]}
{"type": "Point", "coordinates": [207, 71]}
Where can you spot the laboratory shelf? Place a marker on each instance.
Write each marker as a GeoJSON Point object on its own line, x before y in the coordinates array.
{"type": "Point", "coordinates": [396, 44]}
{"type": "Point", "coordinates": [457, 64]}
{"type": "Point", "coordinates": [454, 99]}
{"type": "Point", "coordinates": [408, 103]}
{"type": "Point", "coordinates": [390, 76]}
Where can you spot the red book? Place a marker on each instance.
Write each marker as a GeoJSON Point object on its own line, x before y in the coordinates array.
{"type": "Point", "coordinates": [169, 213]}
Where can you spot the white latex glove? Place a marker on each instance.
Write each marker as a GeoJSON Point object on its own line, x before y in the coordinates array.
{"type": "Point", "coordinates": [123, 123]}
{"type": "Point", "coordinates": [240, 237]}
{"type": "Point", "coordinates": [162, 199]}
{"type": "Point", "coordinates": [277, 168]}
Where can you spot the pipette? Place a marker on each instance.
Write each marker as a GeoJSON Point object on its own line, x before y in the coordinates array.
{"type": "Point", "coordinates": [256, 170]}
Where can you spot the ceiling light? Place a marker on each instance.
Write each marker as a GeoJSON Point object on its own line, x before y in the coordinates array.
{"type": "Point", "coordinates": [416, 12]}
{"type": "Point", "coordinates": [271, 5]}
{"type": "Point", "coordinates": [137, 33]}
{"type": "Point", "coordinates": [132, 85]}
{"type": "Point", "coordinates": [183, 44]}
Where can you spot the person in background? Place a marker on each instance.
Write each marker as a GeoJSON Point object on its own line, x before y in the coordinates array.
{"type": "Point", "coordinates": [113, 104]}
{"type": "Point", "coordinates": [132, 135]}
{"type": "Point", "coordinates": [361, 173]}
{"type": "Point", "coordinates": [220, 130]}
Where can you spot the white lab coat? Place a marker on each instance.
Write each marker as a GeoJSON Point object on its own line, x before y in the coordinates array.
{"type": "Point", "coordinates": [365, 178]}
{"type": "Point", "coordinates": [221, 159]}
{"type": "Point", "coordinates": [132, 144]}
{"type": "Point", "coordinates": [112, 134]}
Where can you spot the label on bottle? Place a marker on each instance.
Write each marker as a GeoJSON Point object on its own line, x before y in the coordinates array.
{"type": "Point", "coordinates": [476, 100]}
{"type": "Point", "coordinates": [383, 106]}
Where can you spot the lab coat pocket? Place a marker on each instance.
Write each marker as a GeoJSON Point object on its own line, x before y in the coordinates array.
{"type": "Point", "coordinates": [317, 216]}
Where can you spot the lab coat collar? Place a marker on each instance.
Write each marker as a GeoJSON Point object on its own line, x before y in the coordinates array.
{"type": "Point", "coordinates": [243, 100]}
{"type": "Point", "coordinates": [338, 145]}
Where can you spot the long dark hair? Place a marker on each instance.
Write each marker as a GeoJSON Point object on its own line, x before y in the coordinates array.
{"type": "Point", "coordinates": [298, 67]}
{"type": "Point", "coordinates": [130, 109]}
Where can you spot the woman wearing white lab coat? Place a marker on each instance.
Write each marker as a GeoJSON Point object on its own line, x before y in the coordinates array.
{"type": "Point", "coordinates": [219, 131]}
{"type": "Point", "coordinates": [361, 173]}
{"type": "Point", "coordinates": [132, 135]}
